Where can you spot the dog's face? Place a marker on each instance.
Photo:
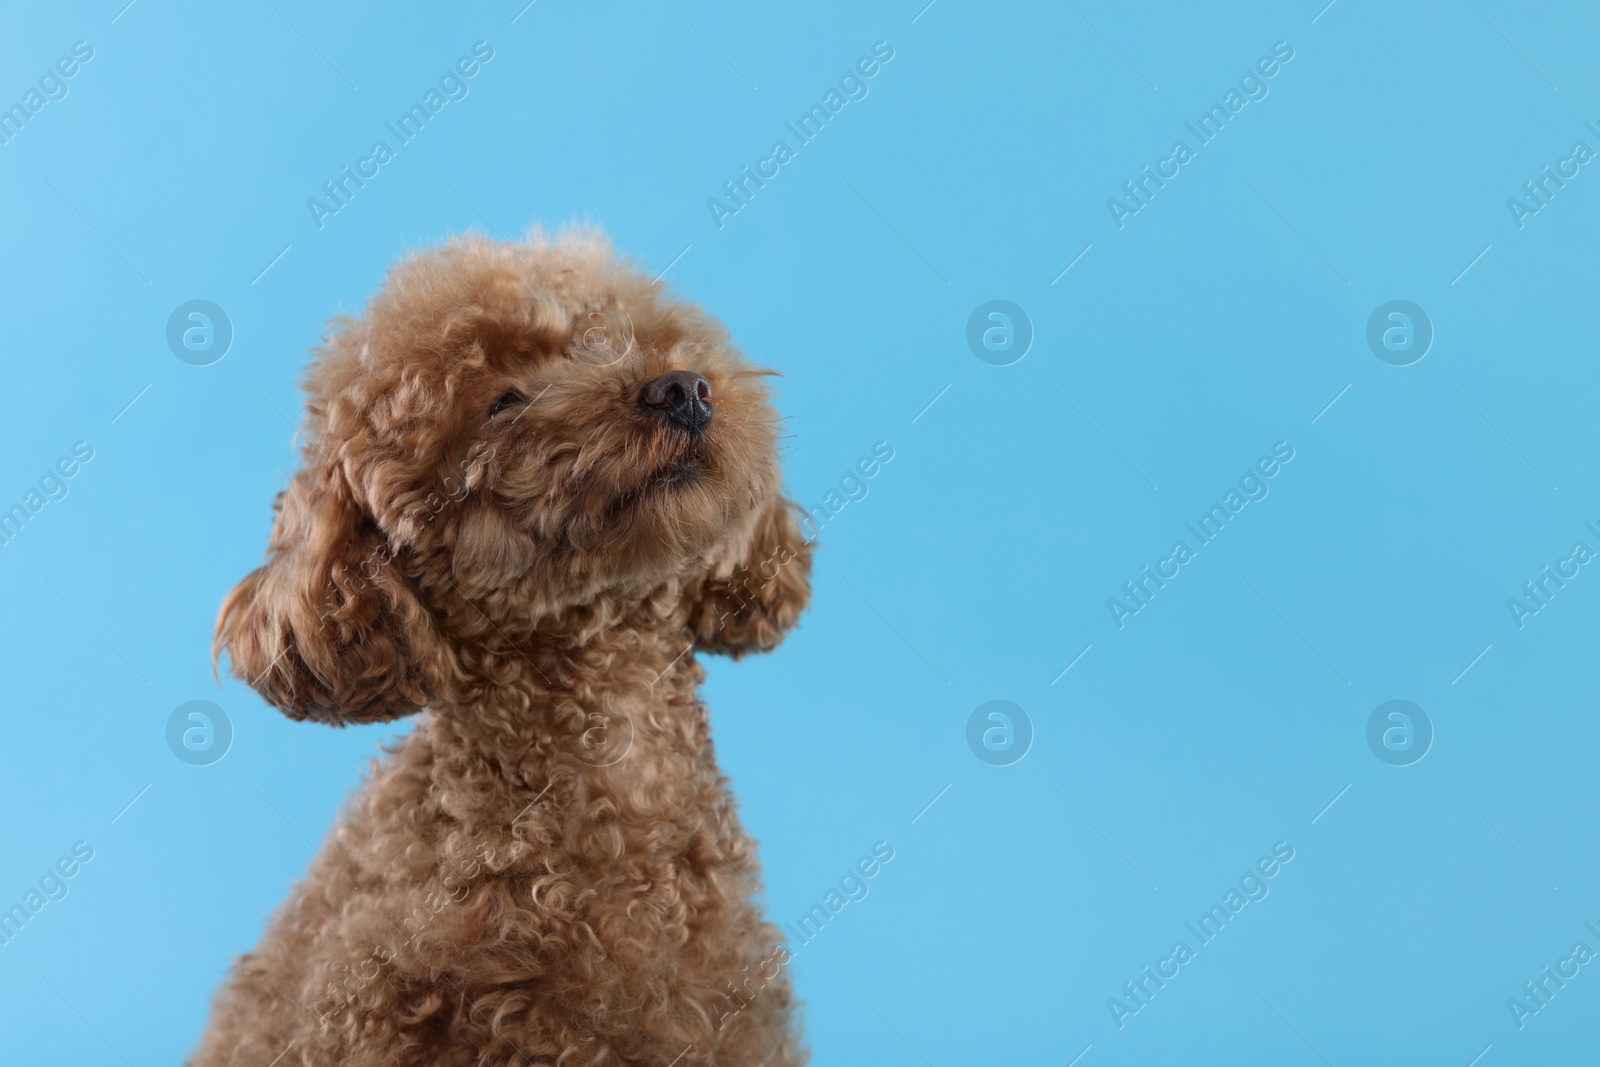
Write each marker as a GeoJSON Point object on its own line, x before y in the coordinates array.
{"type": "Point", "coordinates": [518, 441]}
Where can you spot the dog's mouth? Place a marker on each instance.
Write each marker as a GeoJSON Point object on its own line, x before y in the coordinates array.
{"type": "Point", "coordinates": [683, 465]}
{"type": "Point", "coordinates": [674, 475]}
{"type": "Point", "coordinates": [669, 477]}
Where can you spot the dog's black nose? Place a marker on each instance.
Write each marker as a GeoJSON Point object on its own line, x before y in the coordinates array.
{"type": "Point", "coordinates": [683, 396]}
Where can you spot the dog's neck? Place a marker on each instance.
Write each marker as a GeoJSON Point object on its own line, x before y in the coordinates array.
{"type": "Point", "coordinates": [617, 689]}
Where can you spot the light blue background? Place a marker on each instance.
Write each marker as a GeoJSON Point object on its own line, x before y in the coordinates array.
{"type": "Point", "coordinates": [1223, 318]}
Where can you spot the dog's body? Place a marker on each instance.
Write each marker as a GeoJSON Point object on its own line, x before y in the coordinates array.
{"type": "Point", "coordinates": [548, 868]}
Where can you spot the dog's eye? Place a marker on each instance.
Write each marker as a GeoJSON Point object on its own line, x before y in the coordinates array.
{"type": "Point", "coordinates": [507, 400]}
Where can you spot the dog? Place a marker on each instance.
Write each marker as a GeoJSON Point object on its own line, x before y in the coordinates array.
{"type": "Point", "coordinates": [533, 489]}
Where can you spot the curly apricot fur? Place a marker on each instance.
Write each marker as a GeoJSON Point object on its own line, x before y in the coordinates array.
{"type": "Point", "coordinates": [548, 869]}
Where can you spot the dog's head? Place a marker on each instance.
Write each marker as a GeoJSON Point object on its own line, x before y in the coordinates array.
{"type": "Point", "coordinates": [514, 442]}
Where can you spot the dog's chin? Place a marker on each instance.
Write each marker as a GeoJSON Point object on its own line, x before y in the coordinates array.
{"type": "Point", "coordinates": [673, 477]}
{"type": "Point", "coordinates": [681, 509]}
{"type": "Point", "coordinates": [676, 500]}
{"type": "Point", "coordinates": [662, 487]}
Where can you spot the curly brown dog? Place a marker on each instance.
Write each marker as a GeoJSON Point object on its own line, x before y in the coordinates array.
{"type": "Point", "coordinates": [532, 488]}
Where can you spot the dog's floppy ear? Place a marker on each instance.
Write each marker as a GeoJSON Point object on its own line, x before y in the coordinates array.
{"type": "Point", "coordinates": [328, 629]}
{"type": "Point", "coordinates": [751, 606]}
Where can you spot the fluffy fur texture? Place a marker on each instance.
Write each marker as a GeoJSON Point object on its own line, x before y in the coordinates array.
{"type": "Point", "coordinates": [489, 527]}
